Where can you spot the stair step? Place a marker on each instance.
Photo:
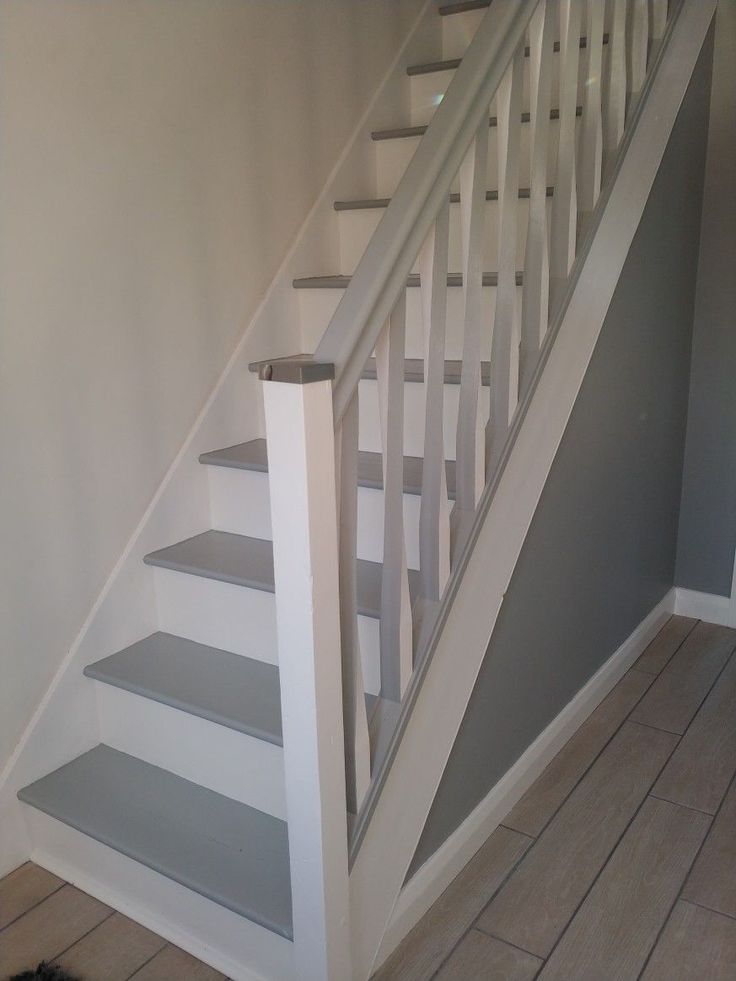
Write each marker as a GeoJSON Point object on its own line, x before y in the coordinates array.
{"type": "Point", "coordinates": [342, 282]}
{"type": "Point", "coordinates": [224, 850]}
{"type": "Point", "coordinates": [462, 7]}
{"type": "Point", "coordinates": [253, 456]}
{"type": "Point", "coordinates": [403, 132]}
{"type": "Point", "coordinates": [246, 561]}
{"type": "Point", "coordinates": [414, 371]}
{"type": "Point", "coordinates": [366, 204]}
{"type": "Point", "coordinates": [450, 64]}
{"type": "Point", "coordinates": [229, 689]}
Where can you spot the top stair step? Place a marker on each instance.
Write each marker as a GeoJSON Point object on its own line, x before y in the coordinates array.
{"type": "Point", "coordinates": [450, 64]}
{"type": "Point", "coordinates": [224, 850]}
{"type": "Point", "coordinates": [234, 691]}
{"type": "Point", "coordinates": [404, 132]}
{"type": "Point", "coordinates": [246, 561]}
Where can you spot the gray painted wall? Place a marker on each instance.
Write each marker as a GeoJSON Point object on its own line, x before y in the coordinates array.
{"type": "Point", "coordinates": [600, 552]}
{"type": "Point", "coordinates": [705, 551]}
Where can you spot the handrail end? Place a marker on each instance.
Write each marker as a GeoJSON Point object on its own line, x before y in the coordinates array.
{"type": "Point", "coordinates": [297, 369]}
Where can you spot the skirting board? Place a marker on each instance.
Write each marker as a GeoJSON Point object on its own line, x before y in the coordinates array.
{"type": "Point", "coordinates": [706, 606]}
{"type": "Point", "coordinates": [430, 881]}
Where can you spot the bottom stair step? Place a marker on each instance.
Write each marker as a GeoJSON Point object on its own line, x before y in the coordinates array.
{"type": "Point", "coordinates": [226, 851]}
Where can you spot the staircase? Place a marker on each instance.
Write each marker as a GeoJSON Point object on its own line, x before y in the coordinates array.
{"type": "Point", "coordinates": [295, 633]}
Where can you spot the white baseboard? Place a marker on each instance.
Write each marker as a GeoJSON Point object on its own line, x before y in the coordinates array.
{"type": "Point", "coordinates": [430, 881]}
{"type": "Point", "coordinates": [705, 606]}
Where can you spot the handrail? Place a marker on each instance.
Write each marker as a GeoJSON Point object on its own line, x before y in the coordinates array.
{"type": "Point", "coordinates": [381, 273]}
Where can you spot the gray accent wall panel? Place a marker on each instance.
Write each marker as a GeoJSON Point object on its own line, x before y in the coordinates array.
{"type": "Point", "coordinates": [600, 552]}
{"type": "Point", "coordinates": [705, 551]}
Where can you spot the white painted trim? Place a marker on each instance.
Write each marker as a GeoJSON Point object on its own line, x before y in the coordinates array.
{"type": "Point", "coordinates": [430, 881]}
{"type": "Point", "coordinates": [706, 606]}
{"type": "Point", "coordinates": [396, 823]}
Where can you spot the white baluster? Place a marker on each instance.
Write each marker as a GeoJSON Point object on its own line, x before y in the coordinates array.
{"type": "Point", "coordinates": [434, 509]}
{"type": "Point", "coordinates": [564, 203]}
{"type": "Point", "coordinates": [357, 740]}
{"type": "Point", "coordinates": [470, 451]}
{"type": "Point", "coordinates": [614, 94]}
{"type": "Point", "coordinates": [590, 158]}
{"type": "Point", "coordinates": [638, 47]}
{"type": "Point", "coordinates": [396, 622]}
{"type": "Point", "coordinates": [535, 298]}
{"type": "Point", "coordinates": [506, 339]}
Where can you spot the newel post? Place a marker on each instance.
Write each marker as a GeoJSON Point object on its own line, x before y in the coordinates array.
{"type": "Point", "coordinates": [301, 462]}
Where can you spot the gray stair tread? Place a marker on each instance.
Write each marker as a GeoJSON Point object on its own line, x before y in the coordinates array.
{"type": "Point", "coordinates": [414, 371]}
{"type": "Point", "coordinates": [238, 692]}
{"type": "Point", "coordinates": [365, 204]}
{"type": "Point", "coordinates": [341, 282]}
{"type": "Point", "coordinates": [253, 456]}
{"type": "Point", "coordinates": [460, 8]}
{"type": "Point", "coordinates": [247, 561]}
{"type": "Point", "coordinates": [450, 64]}
{"type": "Point", "coordinates": [229, 852]}
{"type": "Point", "coordinates": [403, 132]}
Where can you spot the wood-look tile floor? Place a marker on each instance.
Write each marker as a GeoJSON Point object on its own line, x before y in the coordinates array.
{"type": "Point", "coordinates": [619, 863]}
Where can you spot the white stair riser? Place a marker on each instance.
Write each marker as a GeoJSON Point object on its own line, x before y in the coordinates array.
{"type": "Point", "coordinates": [237, 947]}
{"type": "Point", "coordinates": [357, 227]}
{"type": "Point", "coordinates": [316, 307]}
{"type": "Point", "coordinates": [458, 31]}
{"type": "Point", "coordinates": [238, 619]}
{"type": "Point", "coordinates": [230, 489]}
{"type": "Point", "coordinates": [370, 427]}
{"type": "Point", "coordinates": [232, 763]}
{"type": "Point", "coordinates": [393, 156]}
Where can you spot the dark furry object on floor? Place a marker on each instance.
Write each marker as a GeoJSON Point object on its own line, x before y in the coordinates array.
{"type": "Point", "coordinates": [44, 972]}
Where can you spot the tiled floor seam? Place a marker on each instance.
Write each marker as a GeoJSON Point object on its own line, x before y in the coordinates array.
{"type": "Point", "coordinates": [147, 962]}
{"type": "Point", "coordinates": [85, 934]}
{"type": "Point", "coordinates": [610, 853]}
{"type": "Point", "coordinates": [678, 897]}
{"type": "Point", "coordinates": [53, 893]}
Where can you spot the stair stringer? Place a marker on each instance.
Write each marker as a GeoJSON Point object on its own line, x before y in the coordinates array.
{"type": "Point", "coordinates": [395, 819]}
{"type": "Point", "coordinates": [66, 722]}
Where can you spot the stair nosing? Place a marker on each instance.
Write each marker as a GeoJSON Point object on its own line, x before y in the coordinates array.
{"type": "Point", "coordinates": [405, 132]}
{"type": "Point", "coordinates": [227, 812]}
{"type": "Point", "coordinates": [368, 204]}
{"type": "Point", "coordinates": [98, 672]}
{"type": "Point", "coordinates": [451, 64]}
{"type": "Point", "coordinates": [463, 7]}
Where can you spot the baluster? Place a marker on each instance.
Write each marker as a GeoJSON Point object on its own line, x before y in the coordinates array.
{"type": "Point", "coordinates": [590, 159]}
{"type": "Point", "coordinates": [396, 623]}
{"type": "Point", "coordinates": [614, 97]}
{"type": "Point", "coordinates": [638, 45]}
{"type": "Point", "coordinates": [357, 740]}
{"type": "Point", "coordinates": [535, 298]}
{"type": "Point", "coordinates": [434, 508]}
{"type": "Point", "coordinates": [470, 447]}
{"type": "Point", "coordinates": [658, 20]}
{"type": "Point", "coordinates": [564, 202]}
{"type": "Point", "coordinates": [506, 340]}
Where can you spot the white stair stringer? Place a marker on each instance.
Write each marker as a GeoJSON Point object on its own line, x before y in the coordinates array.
{"type": "Point", "coordinates": [391, 830]}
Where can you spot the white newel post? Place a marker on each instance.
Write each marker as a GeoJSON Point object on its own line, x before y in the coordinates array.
{"type": "Point", "coordinates": [301, 464]}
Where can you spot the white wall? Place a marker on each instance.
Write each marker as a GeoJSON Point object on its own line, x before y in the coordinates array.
{"type": "Point", "coordinates": [156, 160]}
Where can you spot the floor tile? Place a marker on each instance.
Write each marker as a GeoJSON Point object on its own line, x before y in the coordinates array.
{"type": "Point", "coordinates": [482, 958]}
{"type": "Point", "coordinates": [712, 882]}
{"type": "Point", "coordinates": [112, 951]}
{"type": "Point", "coordinates": [658, 654]}
{"type": "Point", "coordinates": [696, 943]}
{"type": "Point", "coordinates": [173, 964]}
{"type": "Point", "coordinates": [535, 905]}
{"type": "Point", "coordinates": [618, 923]}
{"type": "Point", "coordinates": [23, 889]}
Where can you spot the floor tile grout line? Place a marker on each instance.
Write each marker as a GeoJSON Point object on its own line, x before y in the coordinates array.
{"type": "Point", "coordinates": [688, 807]}
{"type": "Point", "coordinates": [31, 908]}
{"type": "Point", "coordinates": [656, 674]}
{"type": "Point", "coordinates": [687, 874]}
{"type": "Point", "coordinates": [610, 853]}
{"type": "Point", "coordinates": [148, 960]}
{"type": "Point", "coordinates": [509, 943]}
{"type": "Point", "coordinates": [85, 934]}
{"type": "Point", "coordinates": [708, 909]}
{"type": "Point", "coordinates": [648, 725]}
{"type": "Point", "coordinates": [495, 892]}
{"type": "Point", "coordinates": [595, 759]}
